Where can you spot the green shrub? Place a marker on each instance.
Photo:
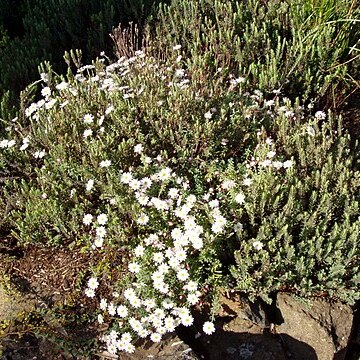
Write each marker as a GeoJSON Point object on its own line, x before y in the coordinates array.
{"type": "Point", "coordinates": [302, 48]}
{"type": "Point", "coordinates": [185, 154]}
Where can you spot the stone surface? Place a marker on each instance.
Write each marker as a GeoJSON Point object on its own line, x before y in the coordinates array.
{"type": "Point", "coordinates": [323, 326]}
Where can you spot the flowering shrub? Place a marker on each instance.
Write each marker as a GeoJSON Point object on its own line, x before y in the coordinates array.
{"type": "Point", "coordinates": [200, 188]}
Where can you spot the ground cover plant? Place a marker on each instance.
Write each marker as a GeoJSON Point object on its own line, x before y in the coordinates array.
{"type": "Point", "coordinates": [198, 164]}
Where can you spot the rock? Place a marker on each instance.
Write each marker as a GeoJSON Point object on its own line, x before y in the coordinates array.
{"type": "Point", "coordinates": [324, 326]}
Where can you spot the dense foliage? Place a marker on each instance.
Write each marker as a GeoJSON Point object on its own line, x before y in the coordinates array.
{"type": "Point", "coordinates": [204, 158]}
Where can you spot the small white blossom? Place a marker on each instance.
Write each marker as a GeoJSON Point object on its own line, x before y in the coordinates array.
{"type": "Point", "coordinates": [105, 163]}
{"type": "Point", "coordinates": [320, 115]}
{"type": "Point", "coordinates": [88, 118]}
{"type": "Point", "coordinates": [87, 219]}
{"type": "Point", "coordinates": [138, 148]}
{"type": "Point", "coordinates": [134, 267]}
{"type": "Point", "coordinates": [143, 219]}
{"type": "Point", "coordinates": [208, 115]}
{"type": "Point", "coordinates": [288, 164]}
{"type": "Point", "coordinates": [89, 185]}
{"type": "Point", "coordinates": [258, 245]}
{"type": "Point", "coordinates": [102, 219]}
{"type": "Point", "coordinates": [238, 227]}
{"type": "Point", "coordinates": [87, 133]}
{"type": "Point", "coordinates": [270, 154]}
{"type": "Point", "coordinates": [122, 311]}
{"type": "Point", "coordinates": [139, 251]}
{"type": "Point", "coordinates": [100, 231]}
{"type": "Point", "coordinates": [93, 283]}
{"type": "Point", "coordinates": [46, 91]}
{"type": "Point", "coordinates": [103, 304]}
{"type": "Point", "coordinates": [155, 337]}
{"type": "Point", "coordinates": [208, 328]}
{"type": "Point", "coordinates": [310, 130]}
{"type": "Point", "coordinates": [90, 293]}
{"type": "Point", "coordinates": [240, 198]}
{"type": "Point", "coordinates": [247, 181]}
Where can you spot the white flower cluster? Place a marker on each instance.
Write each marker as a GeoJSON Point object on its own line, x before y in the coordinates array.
{"type": "Point", "coordinates": [269, 161]}
{"type": "Point", "coordinates": [160, 261]}
{"type": "Point", "coordinates": [100, 230]}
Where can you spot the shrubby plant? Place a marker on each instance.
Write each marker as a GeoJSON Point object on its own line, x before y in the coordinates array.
{"type": "Point", "coordinates": [201, 180]}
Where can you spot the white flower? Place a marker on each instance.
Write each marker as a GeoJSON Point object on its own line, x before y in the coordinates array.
{"type": "Point", "coordinates": [93, 283]}
{"type": "Point", "coordinates": [173, 193]}
{"type": "Point", "coordinates": [258, 245]}
{"type": "Point", "coordinates": [143, 219]}
{"type": "Point", "coordinates": [126, 337]}
{"type": "Point", "coordinates": [88, 118]}
{"type": "Point", "coordinates": [100, 231]}
{"type": "Point", "coordinates": [247, 181]}
{"type": "Point", "coordinates": [112, 309]}
{"type": "Point", "coordinates": [167, 304]}
{"type": "Point", "coordinates": [288, 164]}
{"type": "Point", "coordinates": [265, 163]}
{"type": "Point", "coordinates": [217, 227]}
{"type": "Point", "coordinates": [208, 115]}
{"type": "Point", "coordinates": [100, 319]}
{"type": "Point", "coordinates": [182, 275]}
{"type": "Point", "coordinates": [192, 298]}
{"type": "Point", "coordinates": [208, 328]}
{"type": "Point", "coordinates": [62, 86]}
{"type": "Point", "coordinates": [138, 148]}
{"type": "Point", "coordinates": [46, 91]}
{"type": "Point", "coordinates": [87, 133]}
{"type": "Point", "coordinates": [102, 219]}
{"type": "Point", "coordinates": [240, 198]}
{"type": "Point", "coordinates": [155, 337]}
{"type": "Point", "coordinates": [87, 219]}
{"type": "Point", "coordinates": [270, 154]}
{"type": "Point", "coordinates": [177, 47]}
{"type": "Point", "coordinates": [129, 348]}
{"type": "Point", "coordinates": [134, 267]}
{"type": "Point", "coordinates": [103, 304]}
{"type": "Point", "coordinates": [214, 203]}
{"type": "Point", "coordinates": [320, 115]}
{"type": "Point", "coordinates": [164, 174]}
{"type": "Point", "coordinates": [187, 320]}
{"type": "Point", "coordinates": [179, 73]}
{"type": "Point", "coordinates": [228, 184]}
{"type": "Point", "coordinates": [39, 154]}
{"type": "Point", "coordinates": [89, 185]}
{"type": "Point", "coordinates": [135, 302]}
{"type": "Point", "coordinates": [105, 163]}
{"type": "Point", "coordinates": [169, 324]}
{"type": "Point", "coordinates": [277, 164]}
{"type": "Point", "coordinates": [310, 130]}
{"type": "Point", "coordinates": [158, 257]}
{"type": "Point", "coordinates": [191, 286]}
{"type": "Point", "coordinates": [129, 293]}
{"type": "Point", "coordinates": [126, 177]}
{"type": "Point", "coordinates": [90, 293]}
{"type": "Point", "coordinates": [139, 250]}
{"type": "Point", "coordinates": [135, 184]}
{"type": "Point", "coordinates": [109, 109]}
{"type": "Point", "coordinates": [99, 241]}
{"type": "Point", "coordinates": [122, 311]}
